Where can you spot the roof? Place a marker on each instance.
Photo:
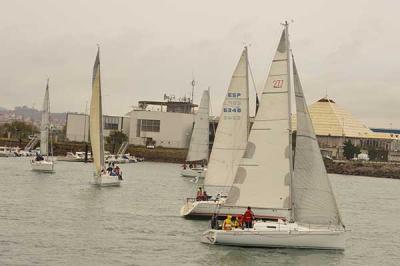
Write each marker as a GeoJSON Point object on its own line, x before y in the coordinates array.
{"type": "Point", "coordinates": [329, 119]}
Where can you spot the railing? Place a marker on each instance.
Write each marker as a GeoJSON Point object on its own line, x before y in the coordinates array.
{"type": "Point", "coordinates": [122, 149]}
{"type": "Point", "coordinates": [32, 143]}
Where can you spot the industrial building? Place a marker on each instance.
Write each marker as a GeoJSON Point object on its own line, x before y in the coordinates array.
{"type": "Point", "coordinates": [77, 126]}
{"type": "Point", "coordinates": [162, 123]}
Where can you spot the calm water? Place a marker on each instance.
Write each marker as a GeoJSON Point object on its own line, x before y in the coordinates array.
{"type": "Point", "coordinates": [53, 219]}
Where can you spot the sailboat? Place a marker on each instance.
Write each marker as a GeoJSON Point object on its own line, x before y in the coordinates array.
{"type": "Point", "coordinates": [102, 177]}
{"type": "Point", "coordinates": [229, 145]}
{"type": "Point", "coordinates": [44, 161]}
{"type": "Point", "coordinates": [199, 142]}
{"type": "Point", "coordinates": [313, 220]}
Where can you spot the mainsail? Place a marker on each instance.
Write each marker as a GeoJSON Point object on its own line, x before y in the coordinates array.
{"type": "Point", "coordinates": [198, 149]}
{"type": "Point", "coordinates": [263, 177]}
{"type": "Point", "coordinates": [313, 199]}
{"type": "Point", "coordinates": [96, 118]}
{"type": "Point", "coordinates": [44, 127]}
{"type": "Point", "coordinates": [232, 131]}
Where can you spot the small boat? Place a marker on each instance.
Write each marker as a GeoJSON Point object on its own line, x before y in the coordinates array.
{"type": "Point", "coordinates": [6, 152]}
{"type": "Point", "coordinates": [75, 157]}
{"type": "Point", "coordinates": [229, 145]}
{"type": "Point", "coordinates": [44, 161]}
{"type": "Point", "coordinates": [101, 177]}
{"type": "Point", "coordinates": [313, 220]}
{"type": "Point", "coordinates": [199, 142]}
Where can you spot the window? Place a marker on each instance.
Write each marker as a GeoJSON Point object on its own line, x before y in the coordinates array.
{"type": "Point", "coordinates": [111, 122]}
{"type": "Point", "coordinates": [150, 125]}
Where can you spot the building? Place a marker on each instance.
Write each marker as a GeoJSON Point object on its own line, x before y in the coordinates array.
{"type": "Point", "coordinates": [162, 123]}
{"type": "Point", "coordinates": [334, 125]}
{"type": "Point", "coordinates": [77, 126]}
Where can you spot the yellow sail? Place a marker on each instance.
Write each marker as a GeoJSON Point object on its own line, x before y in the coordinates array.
{"type": "Point", "coordinates": [96, 118]}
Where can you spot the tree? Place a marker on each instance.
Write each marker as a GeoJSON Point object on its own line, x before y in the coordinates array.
{"type": "Point", "coordinates": [349, 150]}
{"type": "Point", "coordinates": [18, 129]}
{"type": "Point", "coordinates": [116, 138]}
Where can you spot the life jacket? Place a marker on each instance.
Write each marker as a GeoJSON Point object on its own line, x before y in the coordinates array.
{"type": "Point", "coordinates": [248, 216]}
{"type": "Point", "coordinates": [227, 224]}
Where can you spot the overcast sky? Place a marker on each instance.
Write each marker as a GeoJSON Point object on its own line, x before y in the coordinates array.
{"type": "Point", "coordinates": [148, 48]}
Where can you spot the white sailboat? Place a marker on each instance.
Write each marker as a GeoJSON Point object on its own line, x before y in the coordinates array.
{"type": "Point", "coordinates": [313, 218]}
{"type": "Point", "coordinates": [229, 145]}
{"type": "Point", "coordinates": [101, 176]}
{"type": "Point", "coordinates": [44, 161]}
{"type": "Point", "coordinates": [199, 142]}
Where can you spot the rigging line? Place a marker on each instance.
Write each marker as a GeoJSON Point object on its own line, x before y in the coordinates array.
{"type": "Point", "coordinates": [252, 77]}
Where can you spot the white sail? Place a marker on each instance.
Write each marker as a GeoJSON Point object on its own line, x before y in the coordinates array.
{"type": "Point", "coordinates": [313, 199]}
{"type": "Point", "coordinates": [96, 118]}
{"type": "Point", "coordinates": [232, 131]}
{"type": "Point", "coordinates": [44, 127]}
{"type": "Point", "coordinates": [198, 148]}
{"type": "Point", "coordinates": [263, 177]}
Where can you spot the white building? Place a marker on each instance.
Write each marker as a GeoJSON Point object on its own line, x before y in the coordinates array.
{"type": "Point", "coordinates": [167, 124]}
{"type": "Point", "coordinates": [78, 126]}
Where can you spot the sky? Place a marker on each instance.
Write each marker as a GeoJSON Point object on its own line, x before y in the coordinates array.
{"type": "Point", "coordinates": [346, 49]}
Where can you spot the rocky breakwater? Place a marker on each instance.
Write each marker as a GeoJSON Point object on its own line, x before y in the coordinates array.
{"type": "Point", "coordinates": [363, 168]}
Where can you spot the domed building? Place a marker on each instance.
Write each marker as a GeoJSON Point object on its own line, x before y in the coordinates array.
{"type": "Point", "coordinates": [334, 125]}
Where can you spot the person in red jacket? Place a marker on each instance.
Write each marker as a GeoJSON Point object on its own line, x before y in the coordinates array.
{"type": "Point", "coordinates": [248, 218]}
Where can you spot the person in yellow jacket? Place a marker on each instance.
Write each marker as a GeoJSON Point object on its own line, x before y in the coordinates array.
{"type": "Point", "coordinates": [227, 225]}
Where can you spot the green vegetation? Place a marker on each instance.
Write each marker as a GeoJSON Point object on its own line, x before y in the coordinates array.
{"type": "Point", "coordinates": [18, 130]}
{"type": "Point", "coordinates": [115, 139]}
{"type": "Point", "coordinates": [349, 150]}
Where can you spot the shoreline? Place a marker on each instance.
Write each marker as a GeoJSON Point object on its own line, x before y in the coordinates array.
{"type": "Point", "coordinates": [170, 155]}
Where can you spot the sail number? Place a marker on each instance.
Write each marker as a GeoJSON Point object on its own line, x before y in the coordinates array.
{"type": "Point", "coordinates": [278, 83]}
{"type": "Point", "coordinates": [232, 110]}
{"type": "Point", "coordinates": [234, 94]}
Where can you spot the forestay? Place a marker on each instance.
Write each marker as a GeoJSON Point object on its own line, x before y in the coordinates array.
{"type": "Point", "coordinates": [263, 177]}
{"type": "Point", "coordinates": [44, 126]}
{"type": "Point", "coordinates": [198, 148]}
{"type": "Point", "coordinates": [314, 202]}
{"type": "Point", "coordinates": [232, 131]}
{"type": "Point", "coordinates": [96, 118]}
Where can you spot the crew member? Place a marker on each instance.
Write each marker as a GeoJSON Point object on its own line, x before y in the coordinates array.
{"type": "Point", "coordinates": [227, 225]}
{"type": "Point", "coordinates": [199, 196]}
{"type": "Point", "coordinates": [248, 218]}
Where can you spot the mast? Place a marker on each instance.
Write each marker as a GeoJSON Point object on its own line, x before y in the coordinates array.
{"type": "Point", "coordinates": [247, 85]}
{"type": "Point", "coordinates": [286, 25]}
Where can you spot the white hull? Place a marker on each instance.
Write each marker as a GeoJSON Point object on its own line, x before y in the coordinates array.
{"type": "Point", "coordinates": [43, 166]}
{"type": "Point", "coordinates": [194, 172]}
{"type": "Point", "coordinates": [278, 235]}
{"type": "Point", "coordinates": [106, 181]}
{"type": "Point", "coordinates": [205, 209]}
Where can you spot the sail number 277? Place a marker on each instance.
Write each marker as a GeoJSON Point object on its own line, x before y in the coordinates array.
{"type": "Point", "coordinates": [277, 83]}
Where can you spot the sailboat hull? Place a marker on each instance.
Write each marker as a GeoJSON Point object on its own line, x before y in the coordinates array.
{"type": "Point", "coordinates": [278, 236]}
{"type": "Point", "coordinates": [43, 166]}
{"type": "Point", "coordinates": [106, 181]}
{"type": "Point", "coordinates": [194, 172]}
{"type": "Point", "coordinates": [205, 209]}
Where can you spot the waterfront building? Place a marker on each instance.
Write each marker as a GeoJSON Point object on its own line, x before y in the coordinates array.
{"type": "Point", "coordinates": [77, 126]}
{"type": "Point", "coordinates": [162, 123]}
{"type": "Point", "coordinates": [334, 125]}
